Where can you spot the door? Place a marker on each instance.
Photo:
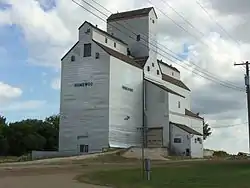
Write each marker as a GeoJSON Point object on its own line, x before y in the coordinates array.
{"type": "Point", "coordinates": [155, 137]}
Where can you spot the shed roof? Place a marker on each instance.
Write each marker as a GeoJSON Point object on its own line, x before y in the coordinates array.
{"type": "Point", "coordinates": [164, 88]}
{"type": "Point", "coordinates": [169, 66]}
{"type": "Point", "coordinates": [174, 81]}
{"type": "Point", "coordinates": [118, 55]}
{"type": "Point", "coordinates": [187, 129]}
{"type": "Point", "coordinates": [191, 114]}
{"type": "Point", "coordinates": [102, 31]}
{"type": "Point", "coordinates": [130, 14]}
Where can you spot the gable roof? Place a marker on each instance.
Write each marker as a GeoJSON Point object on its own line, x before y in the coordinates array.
{"type": "Point", "coordinates": [70, 50]}
{"type": "Point", "coordinates": [187, 129]}
{"type": "Point", "coordinates": [104, 32]}
{"type": "Point", "coordinates": [130, 14]}
{"type": "Point", "coordinates": [169, 66]}
{"type": "Point", "coordinates": [174, 81]}
{"type": "Point", "coordinates": [118, 55]}
{"type": "Point", "coordinates": [191, 114]}
{"type": "Point", "coordinates": [164, 88]}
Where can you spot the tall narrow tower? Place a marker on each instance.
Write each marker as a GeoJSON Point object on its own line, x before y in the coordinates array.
{"type": "Point", "coordinates": [139, 29]}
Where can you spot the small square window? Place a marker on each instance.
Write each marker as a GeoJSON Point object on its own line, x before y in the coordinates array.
{"type": "Point", "coordinates": [179, 104]}
{"type": "Point", "coordinates": [115, 44]}
{"type": "Point", "coordinates": [73, 58]}
{"type": "Point", "coordinates": [138, 38]}
{"type": "Point", "coordinates": [148, 68]}
{"type": "Point", "coordinates": [158, 72]}
{"type": "Point", "coordinates": [177, 140]}
{"type": "Point", "coordinates": [87, 50]}
{"type": "Point", "coordinates": [153, 21]}
{"type": "Point", "coordinates": [172, 73]}
{"type": "Point", "coordinates": [106, 40]}
{"type": "Point", "coordinates": [153, 65]}
{"type": "Point", "coordinates": [97, 55]}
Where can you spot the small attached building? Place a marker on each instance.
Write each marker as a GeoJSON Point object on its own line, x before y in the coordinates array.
{"type": "Point", "coordinates": [185, 141]}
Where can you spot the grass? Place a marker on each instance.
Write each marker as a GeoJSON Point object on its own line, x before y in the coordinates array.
{"type": "Point", "coordinates": [209, 174]}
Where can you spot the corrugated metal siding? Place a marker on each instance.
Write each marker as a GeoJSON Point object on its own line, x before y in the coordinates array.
{"type": "Point", "coordinates": [180, 148]}
{"type": "Point", "coordinates": [196, 147]}
{"type": "Point", "coordinates": [125, 116]}
{"type": "Point", "coordinates": [97, 36]}
{"type": "Point", "coordinates": [157, 110]}
{"type": "Point", "coordinates": [134, 26]}
{"type": "Point", "coordinates": [84, 110]}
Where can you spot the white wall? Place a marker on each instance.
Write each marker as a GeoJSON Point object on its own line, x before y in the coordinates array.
{"type": "Point", "coordinates": [170, 72]}
{"type": "Point", "coordinates": [157, 109]}
{"type": "Point", "coordinates": [100, 37]}
{"type": "Point", "coordinates": [84, 110]}
{"type": "Point", "coordinates": [153, 31]}
{"type": "Point", "coordinates": [152, 73]}
{"type": "Point", "coordinates": [196, 147]}
{"type": "Point", "coordinates": [123, 103]}
{"type": "Point", "coordinates": [181, 91]}
{"type": "Point", "coordinates": [127, 30]}
{"type": "Point", "coordinates": [180, 148]}
{"type": "Point", "coordinates": [194, 123]}
{"type": "Point", "coordinates": [173, 104]}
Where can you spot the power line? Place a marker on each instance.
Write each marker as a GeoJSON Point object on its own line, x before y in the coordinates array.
{"type": "Point", "coordinates": [227, 126]}
{"type": "Point", "coordinates": [216, 22]}
{"type": "Point", "coordinates": [176, 58]}
{"type": "Point", "coordinates": [197, 73]}
{"type": "Point", "coordinates": [191, 25]}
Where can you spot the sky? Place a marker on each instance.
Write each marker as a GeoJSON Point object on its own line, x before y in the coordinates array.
{"type": "Point", "coordinates": [35, 34]}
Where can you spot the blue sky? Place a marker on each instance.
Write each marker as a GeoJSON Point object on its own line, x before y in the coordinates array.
{"type": "Point", "coordinates": [33, 80]}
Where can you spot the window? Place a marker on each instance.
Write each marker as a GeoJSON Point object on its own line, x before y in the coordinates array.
{"type": "Point", "coordinates": [179, 104]}
{"type": "Point", "coordinates": [115, 44]}
{"type": "Point", "coordinates": [172, 73]}
{"type": "Point", "coordinates": [87, 50]}
{"type": "Point", "coordinates": [153, 21]}
{"type": "Point", "coordinates": [106, 40]}
{"type": "Point", "coordinates": [138, 38]}
{"type": "Point", "coordinates": [148, 68]}
{"type": "Point", "coordinates": [153, 65]}
{"type": "Point", "coordinates": [97, 55]}
{"type": "Point", "coordinates": [73, 58]}
{"type": "Point", "coordinates": [158, 72]}
{"type": "Point", "coordinates": [84, 148]}
{"type": "Point", "coordinates": [177, 140]}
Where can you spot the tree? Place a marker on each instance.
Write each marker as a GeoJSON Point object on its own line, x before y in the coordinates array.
{"type": "Point", "coordinates": [4, 146]}
{"type": "Point", "coordinates": [206, 130]}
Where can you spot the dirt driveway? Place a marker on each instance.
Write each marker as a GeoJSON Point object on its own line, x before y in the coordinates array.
{"type": "Point", "coordinates": [44, 177]}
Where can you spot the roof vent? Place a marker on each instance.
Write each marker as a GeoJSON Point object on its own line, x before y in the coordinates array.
{"type": "Point", "coordinates": [96, 26]}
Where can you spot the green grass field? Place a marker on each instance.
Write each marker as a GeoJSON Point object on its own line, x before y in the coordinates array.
{"type": "Point", "coordinates": [227, 174]}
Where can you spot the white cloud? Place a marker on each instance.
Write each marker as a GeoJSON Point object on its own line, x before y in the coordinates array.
{"type": "Point", "coordinates": [24, 105]}
{"type": "Point", "coordinates": [56, 83]}
{"type": "Point", "coordinates": [8, 93]}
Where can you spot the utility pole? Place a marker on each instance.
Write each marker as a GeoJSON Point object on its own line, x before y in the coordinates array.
{"type": "Point", "coordinates": [248, 95]}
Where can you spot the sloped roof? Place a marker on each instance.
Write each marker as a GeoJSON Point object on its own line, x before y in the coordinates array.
{"type": "Point", "coordinates": [164, 88]}
{"type": "Point", "coordinates": [174, 81]}
{"type": "Point", "coordinates": [70, 50]}
{"type": "Point", "coordinates": [118, 55]}
{"type": "Point", "coordinates": [104, 32]}
{"type": "Point", "coordinates": [169, 66]}
{"type": "Point", "coordinates": [130, 14]}
{"type": "Point", "coordinates": [187, 129]}
{"type": "Point", "coordinates": [191, 114]}
{"type": "Point", "coordinates": [141, 60]}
